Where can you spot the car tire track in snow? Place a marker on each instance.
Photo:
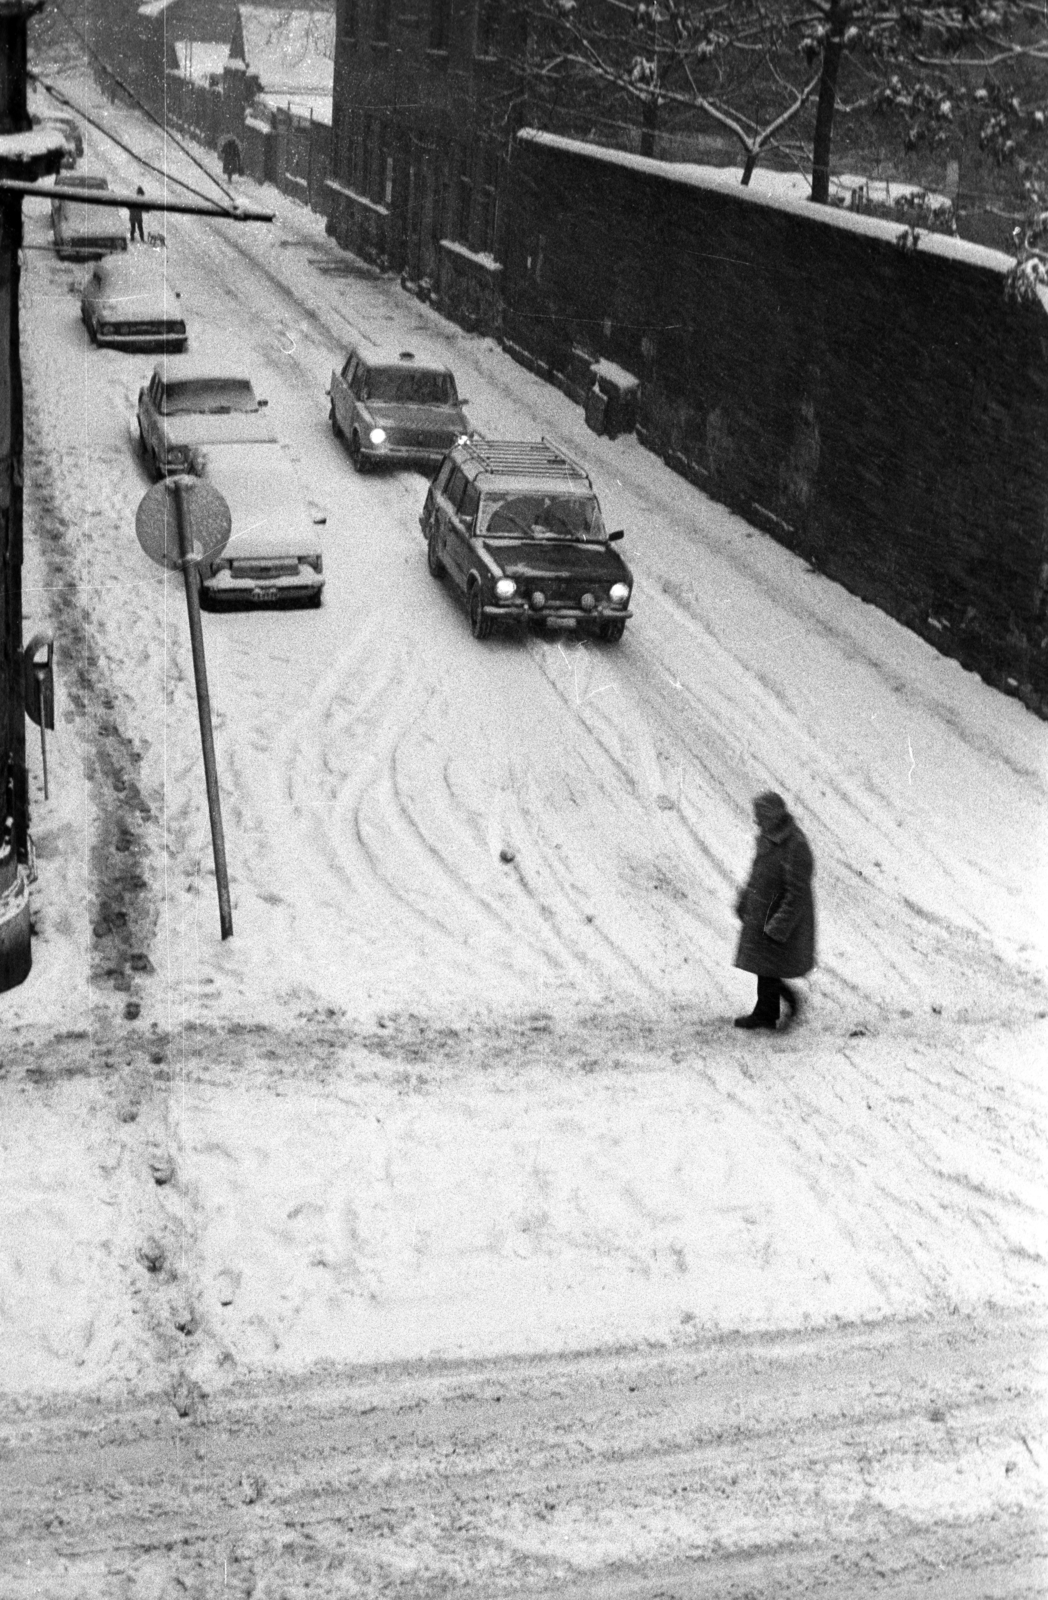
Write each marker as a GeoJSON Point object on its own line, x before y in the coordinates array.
{"type": "Point", "coordinates": [885, 1460]}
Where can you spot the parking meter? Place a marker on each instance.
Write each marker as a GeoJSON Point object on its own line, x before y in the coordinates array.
{"type": "Point", "coordinates": [38, 670]}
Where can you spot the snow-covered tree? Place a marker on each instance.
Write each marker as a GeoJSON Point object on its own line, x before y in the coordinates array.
{"type": "Point", "coordinates": [757, 68]}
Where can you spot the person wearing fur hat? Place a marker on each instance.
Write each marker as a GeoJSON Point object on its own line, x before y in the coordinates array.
{"type": "Point", "coordinates": [777, 912]}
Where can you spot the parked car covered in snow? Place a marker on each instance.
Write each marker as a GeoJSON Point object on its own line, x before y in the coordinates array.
{"type": "Point", "coordinates": [517, 529]}
{"type": "Point", "coordinates": [129, 303]}
{"type": "Point", "coordinates": [69, 129]}
{"type": "Point", "coordinates": [274, 554]}
{"type": "Point", "coordinates": [82, 231]}
{"type": "Point", "coordinates": [395, 409]}
{"type": "Point", "coordinates": [189, 403]}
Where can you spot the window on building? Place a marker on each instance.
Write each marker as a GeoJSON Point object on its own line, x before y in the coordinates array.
{"type": "Point", "coordinates": [485, 217]}
{"type": "Point", "coordinates": [363, 177]}
{"type": "Point", "coordinates": [462, 201]}
{"type": "Point", "coordinates": [439, 24]}
{"type": "Point", "coordinates": [489, 22]}
{"type": "Point", "coordinates": [380, 30]}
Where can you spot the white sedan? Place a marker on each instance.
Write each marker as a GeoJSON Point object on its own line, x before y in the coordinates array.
{"type": "Point", "coordinates": [129, 303]}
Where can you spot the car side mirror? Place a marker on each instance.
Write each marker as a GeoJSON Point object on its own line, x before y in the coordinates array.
{"type": "Point", "coordinates": [464, 402]}
{"type": "Point", "coordinates": [262, 403]}
{"type": "Point", "coordinates": [320, 522]}
{"type": "Point", "coordinates": [620, 533]}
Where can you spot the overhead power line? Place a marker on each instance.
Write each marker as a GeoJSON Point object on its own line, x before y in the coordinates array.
{"type": "Point", "coordinates": [126, 88]}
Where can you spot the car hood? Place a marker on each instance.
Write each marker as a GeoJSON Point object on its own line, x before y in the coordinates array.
{"type": "Point", "coordinates": [418, 419]}
{"type": "Point", "coordinates": [98, 221]}
{"type": "Point", "coordinates": [148, 306]}
{"type": "Point", "coordinates": [546, 559]}
{"type": "Point", "coordinates": [230, 427]}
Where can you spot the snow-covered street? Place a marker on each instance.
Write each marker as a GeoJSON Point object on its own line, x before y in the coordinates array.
{"type": "Point", "coordinates": [464, 1083]}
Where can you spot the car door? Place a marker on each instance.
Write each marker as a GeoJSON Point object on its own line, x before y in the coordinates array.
{"type": "Point", "coordinates": [340, 397]}
{"type": "Point", "coordinates": [148, 408]}
{"type": "Point", "coordinates": [357, 390]}
{"type": "Point", "coordinates": [457, 554]}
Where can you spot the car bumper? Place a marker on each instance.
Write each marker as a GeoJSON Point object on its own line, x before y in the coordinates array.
{"type": "Point", "coordinates": [225, 589]}
{"type": "Point", "coordinates": [402, 455]}
{"type": "Point", "coordinates": [559, 615]}
{"type": "Point", "coordinates": [142, 341]}
{"type": "Point", "coordinates": [90, 250]}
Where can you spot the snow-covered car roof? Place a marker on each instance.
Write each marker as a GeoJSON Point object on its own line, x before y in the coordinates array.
{"type": "Point", "coordinates": [404, 360]}
{"type": "Point", "coordinates": [138, 271]}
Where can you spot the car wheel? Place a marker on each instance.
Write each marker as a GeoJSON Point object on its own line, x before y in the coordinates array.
{"type": "Point", "coordinates": [612, 631]}
{"type": "Point", "coordinates": [433, 561]}
{"type": "Point", "coordinates": [480, 625]}
{"type": "Point", "coordinates": [356, 455]}
{"type": "Point", "coordinates": [336, 430]}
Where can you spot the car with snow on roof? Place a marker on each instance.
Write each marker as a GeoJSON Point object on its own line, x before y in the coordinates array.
{"type": "Point", "coordinates": [396, 410]}
{"type": "Point", "coordinates": [273, 555]}
{"type": "Point", "coordinates": [83, 231]}
{"type": "Point", "coordinates": [69, 129]}
{"type": "Point", "coordinates": [128, 303]}
{"type": "Point", "coordinates": [189, 403]}
{"type": "Point", "coordinates": [517, 529]}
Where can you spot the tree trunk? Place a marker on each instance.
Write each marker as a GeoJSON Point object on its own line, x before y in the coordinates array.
{"type": "Point", "coordinates": [649, 127]}
{"type": "Point", "coordinates": [831, 62]}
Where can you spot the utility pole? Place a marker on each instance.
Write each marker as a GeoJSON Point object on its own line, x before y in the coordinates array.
{"type": "Point", "coordinates": [26, 156]}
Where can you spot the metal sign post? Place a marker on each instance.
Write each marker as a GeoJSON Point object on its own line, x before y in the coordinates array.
{"type": "Point", "coordinates": [202, 524]}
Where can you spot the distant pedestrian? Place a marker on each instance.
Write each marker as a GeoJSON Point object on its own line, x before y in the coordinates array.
{"type": "Point", "coordinates": [232, 165]}
{"type": "Point", "coordinates": [135, 213]}
{"type": "Point", "coordinates": [777, 911]}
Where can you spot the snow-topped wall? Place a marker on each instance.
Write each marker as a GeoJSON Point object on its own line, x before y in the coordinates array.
{"type": "Point", "coordinates": [873, 401]}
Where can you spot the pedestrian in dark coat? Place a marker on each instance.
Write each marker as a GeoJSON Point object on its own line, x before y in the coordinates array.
{"type": "Point", "coordinates": [777, 911]}
{"type": "Point", "coordinates": [135, 214]}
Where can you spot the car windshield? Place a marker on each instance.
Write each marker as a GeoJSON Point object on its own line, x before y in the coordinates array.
{"type": "Point", "coordinates": [544, 516]}
{"type": "Point", "coordinates": [400, 387]}
{"type": "Point", "coordinates": [208, 395]}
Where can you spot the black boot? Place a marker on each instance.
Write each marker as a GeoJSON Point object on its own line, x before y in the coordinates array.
{"type": "Point", "coordinates": [793, 1003]}
{"type": "Point", "coordinates": [756, 1020]}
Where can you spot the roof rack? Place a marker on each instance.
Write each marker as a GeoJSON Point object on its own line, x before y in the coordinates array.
{"type": "Point", "coordinates": [522, 458]}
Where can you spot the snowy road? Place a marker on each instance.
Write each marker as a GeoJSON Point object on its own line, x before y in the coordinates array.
{"type": "Point", "coordinates": [432, 1103]}
{"type": "Point", "coordinates": [375, 760]}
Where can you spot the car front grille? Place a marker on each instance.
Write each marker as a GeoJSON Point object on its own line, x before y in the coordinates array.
{"type": "Point", "coordinates": [148, 330]}
{"type": "Point", "coordinates": [422, 439]}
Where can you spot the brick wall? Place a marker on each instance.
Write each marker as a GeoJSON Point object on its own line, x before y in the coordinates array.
{"type": "Point", "coordinates": [883, 412]}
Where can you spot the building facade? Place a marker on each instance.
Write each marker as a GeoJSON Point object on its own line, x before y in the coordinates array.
{"type": "Point", "coordinates": [424, 111]}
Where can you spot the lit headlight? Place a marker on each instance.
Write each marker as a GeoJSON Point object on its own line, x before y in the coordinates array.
{"type": "Point", "coordinates": [377, 436]}
{"type": "Point", "coordinates": [619, 593]}
{"type": "Point", "coordinates": [505, 589]}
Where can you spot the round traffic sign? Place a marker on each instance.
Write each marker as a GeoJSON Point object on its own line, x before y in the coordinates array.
{"type": "Point", "coordinates": [156, 521]}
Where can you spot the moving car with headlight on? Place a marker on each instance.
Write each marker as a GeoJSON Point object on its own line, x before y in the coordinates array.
{"type": "Point", "coordinates": [517, 529]}
{"type": "Point", "coordinates": [394, 409]}
{"type": "Point", "coordinates": [189, 403]}
{"type": "Point", "coordinates": [273, 555]}
{"type": "Point", "coordinates": [82, 231]}
{"type": "Point", "coordinates": [129, 304]}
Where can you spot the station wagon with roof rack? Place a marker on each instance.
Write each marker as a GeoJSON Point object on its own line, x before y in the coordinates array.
{"type": "Point", "coordinates": [517, 529]}
{"type": "Point", "coordinates": [392, 408]}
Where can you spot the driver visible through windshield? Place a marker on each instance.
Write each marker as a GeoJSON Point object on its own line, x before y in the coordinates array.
{"type": "Point", "coordinates": [395, 386]}
{"type": "Point", "coordinates": [540, 516]}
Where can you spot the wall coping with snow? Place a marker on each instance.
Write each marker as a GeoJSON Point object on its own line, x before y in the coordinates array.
{"type": "Point", "coordinates": [930, 244]}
